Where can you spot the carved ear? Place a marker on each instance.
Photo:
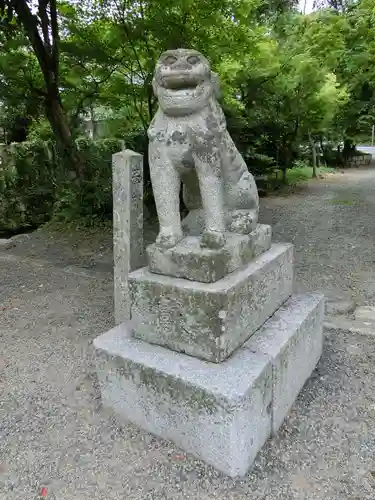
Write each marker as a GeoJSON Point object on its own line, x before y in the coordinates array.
{"type": "Point", "coordinates": [215, 82]}
{"type": "Point", "coordinates": [154, 86]}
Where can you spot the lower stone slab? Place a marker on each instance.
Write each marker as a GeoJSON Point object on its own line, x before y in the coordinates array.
{"type": "Point", "coordinates": [221, 413]}
{"type": "Point", "coordinates": [294, 345]}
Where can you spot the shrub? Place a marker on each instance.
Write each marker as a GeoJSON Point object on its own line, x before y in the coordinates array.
{"type": "Point", "coordinates": [35, 186]}
{"type": "Point", "coordinates": [91, 198]}
{"type": "Point", "coordinates": [27, 185]}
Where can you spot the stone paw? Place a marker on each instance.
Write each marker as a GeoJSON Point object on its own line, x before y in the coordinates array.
{"type": "Point", "coordinates": [212, 240]}
{"type": "Point", "coordinates": [242, 223]}
{"type": "Point", "coordinates": [168, 238]}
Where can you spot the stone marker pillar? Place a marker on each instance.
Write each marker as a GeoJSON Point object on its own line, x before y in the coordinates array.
{"type": "Point", "coordinates": [128, 247]}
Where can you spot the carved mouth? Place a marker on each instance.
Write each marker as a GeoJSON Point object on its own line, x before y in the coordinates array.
{"type": "Point", "coordinates": [180, 82]}
{"type": "Point", "coordinates": [182, 85]}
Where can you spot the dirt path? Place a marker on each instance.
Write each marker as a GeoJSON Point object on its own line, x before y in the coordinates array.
{"type": "Point", "coordinates": [332, 225]}
{"type": "Point", "coordinates": [55, 298]}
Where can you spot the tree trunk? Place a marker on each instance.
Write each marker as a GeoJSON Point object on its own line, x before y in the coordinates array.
{"type": "Point", "coordinates": [314, 174]}
{"type": "Point", "coordinates": [313, 151]}
{"type": "Point", "coordinates": [284, 174]}
{"type": "Point", "coordinates": [43, 34]}
{"type": "Point", "coordinates": [348, 150]}
{"type": "Point", "coordinates": [58, 119]}
{"type": "Point", "coordinates": [285, 160]}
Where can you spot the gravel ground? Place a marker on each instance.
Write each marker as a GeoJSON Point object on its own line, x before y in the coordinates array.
{"type": "Point", "coordinates": [56, 297]}
{"type": "Point", "coordinates": [332, 227]}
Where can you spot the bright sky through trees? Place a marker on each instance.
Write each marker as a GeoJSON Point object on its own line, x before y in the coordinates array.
{"type": "Point", "coordinates": [309, 5]}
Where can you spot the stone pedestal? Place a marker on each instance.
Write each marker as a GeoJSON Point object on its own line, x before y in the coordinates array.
{"type": "Point", "coordinates": [190, 261]}
{"type": "Point", "coordinates": [213, 366]}
{"type": "Point", "coordinates": [221, 413]}
{"type": "Point", "coordinates": [211, 320]}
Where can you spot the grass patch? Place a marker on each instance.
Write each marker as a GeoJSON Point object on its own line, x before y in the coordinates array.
{"type": "Point", "coordinates": [304, 173]}
{"type": "Point", "coordinates": [88, 227]}
{"type": "Point", "coordinates": [341, 202]}
{"type": "Point", "coordinates": [296, 176]}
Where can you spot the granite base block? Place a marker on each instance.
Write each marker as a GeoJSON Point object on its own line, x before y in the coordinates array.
{"type": "Point", "coordinates": [190, 261]}
{"type": "Point", "coordinates": [293, 339]}
{"type": "Point", "coordinates": [211, 320]}
{"type": "Point", "coordinates": [221, 413]}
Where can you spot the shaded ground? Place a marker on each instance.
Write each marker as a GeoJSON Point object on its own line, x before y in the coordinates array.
{"type": "Point", "coordinates": [55, 298]}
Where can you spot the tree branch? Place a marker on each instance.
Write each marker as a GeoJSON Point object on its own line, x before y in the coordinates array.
{"type": "Point", "coordinates": [92, 93]}
{"type": "Point", "coordinates": [35, 90]}
{"type": "Point", "coordinates": [42, 11]}
{"type": "Point", "coordinates": [30, 25]}
{"type": "Point", "coordinates": [55, 53]}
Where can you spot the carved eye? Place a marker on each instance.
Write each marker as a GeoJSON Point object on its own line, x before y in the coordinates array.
{"type": "Point", "coordinates": [169, 60]}
{"type": "Point", "coordinates": [193, 60]}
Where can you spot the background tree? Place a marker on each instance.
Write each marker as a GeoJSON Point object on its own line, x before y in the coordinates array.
{"type": "Point", "coordinates": [338, 5]}
{"type": "Point", "coordinates": [39, 23]}
{"type": "Point", "coordinates": [357, 71]}
{"type": "Point", "coordinates": [289, 81]}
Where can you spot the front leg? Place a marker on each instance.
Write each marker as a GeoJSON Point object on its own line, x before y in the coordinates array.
{"type": "Point", "coordinates": [208, 167]}
{"type": "Point", "coordinates": [166, 188]}
{"type": "Point", "coordinates": [243, 221]}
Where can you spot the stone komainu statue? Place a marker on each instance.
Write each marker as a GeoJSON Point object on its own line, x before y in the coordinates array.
{"type": "Point", "coordinates": [189, 143]}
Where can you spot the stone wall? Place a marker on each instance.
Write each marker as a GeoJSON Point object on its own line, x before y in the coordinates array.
{"type": "Point", "coordinates": [360, 161]}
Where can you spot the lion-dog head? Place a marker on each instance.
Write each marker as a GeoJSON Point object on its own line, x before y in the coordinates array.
{"type": "Point", "coordinates": [183, 82]}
